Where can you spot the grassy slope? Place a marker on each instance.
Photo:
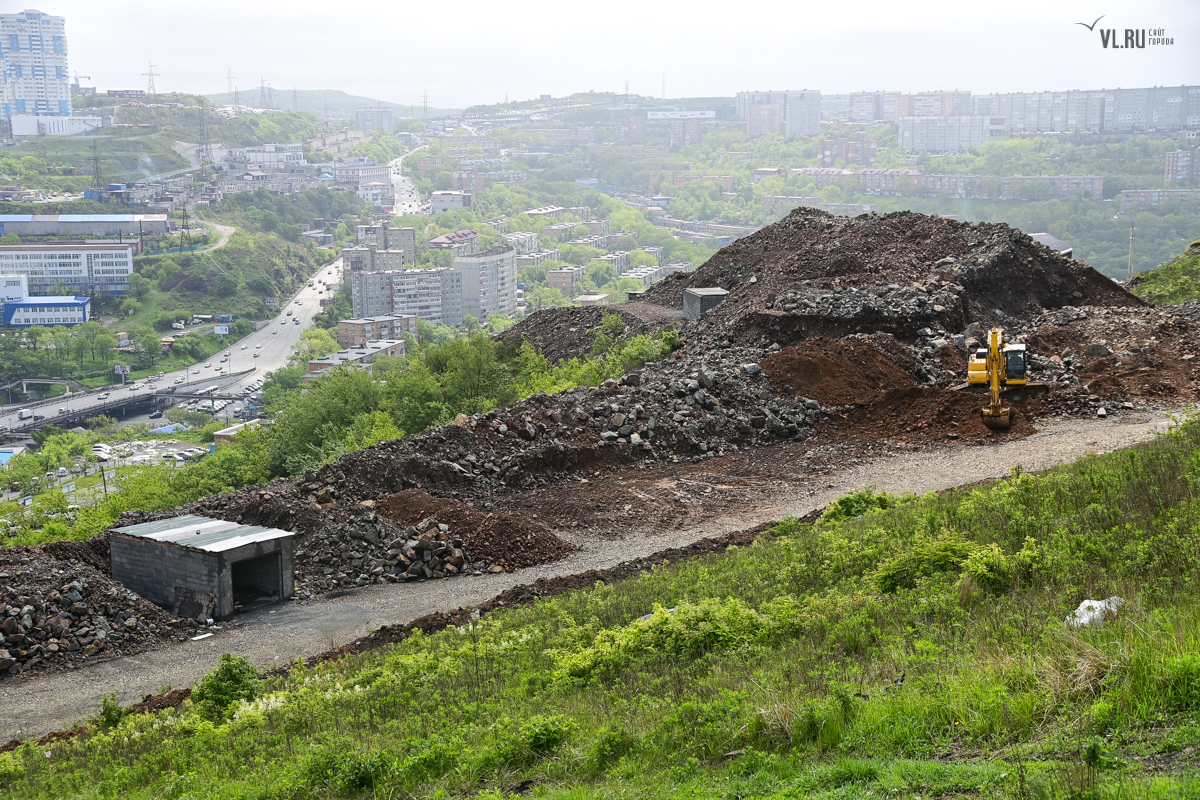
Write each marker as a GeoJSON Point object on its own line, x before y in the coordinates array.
{"type": "Point", "coordinates": [918, 650]}
{"type": "Point", "coordinates": [1176, 282]}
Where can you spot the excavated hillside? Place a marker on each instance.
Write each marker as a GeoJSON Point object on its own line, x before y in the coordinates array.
{"type": "Point", "coordinates": [837, 336]}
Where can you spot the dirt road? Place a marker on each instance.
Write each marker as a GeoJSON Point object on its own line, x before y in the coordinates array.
{"type": "Point", "coordinates": [267, 637]}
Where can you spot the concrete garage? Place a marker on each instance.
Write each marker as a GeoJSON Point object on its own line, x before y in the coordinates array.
{"type": "Point", "coordinates": [202, 568]}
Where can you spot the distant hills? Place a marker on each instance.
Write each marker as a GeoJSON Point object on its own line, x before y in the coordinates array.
{"type": "Point", "coordinates": [335, 102]}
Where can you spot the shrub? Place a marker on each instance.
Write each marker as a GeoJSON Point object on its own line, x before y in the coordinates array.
{"type": "Point", "coordinates": [927, 557]}
{"type": "Point", "coordinates": [857, 504]}
{"type": "Point", "coordinates": [111, 713]}
{"type": "Point", "coordinates": [234, 679]}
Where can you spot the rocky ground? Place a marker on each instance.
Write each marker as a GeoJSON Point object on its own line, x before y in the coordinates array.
{"type": "Point", "coordinates": [840, 339]}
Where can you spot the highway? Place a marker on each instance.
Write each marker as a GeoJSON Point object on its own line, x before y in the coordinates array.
{"type": "Point", "coordinates": [408, 199]}
{"type": "Point", "coordinates": [263, 351]}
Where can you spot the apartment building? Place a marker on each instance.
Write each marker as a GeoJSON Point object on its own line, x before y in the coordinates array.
{"type": "Point", "coordinates": [546, 212]}
{"type": "Point", "coordinates": [489, 282]}
{"type": "Point", "coordinates": [359, 331]}
{"type": "Point", "coordinates": [654, 250]}
{"type": "Point", "coordinates": [842, 152]}
{"type": "Point", "coordinates": [368, 119]}
{"type": "Point", "coordinates": [1140, 199]}
{"type": "Point", "coordinates": [565, 279]}
{"type": "Point", "coordinates": [371, 292]}
{"type": "Point", "coordinates": [887, 181]}
{"type": "Point", "coordinates": [873, 106]}
{"type": "Point", "coordinates": [386, 238]}
{"type": "Point", "coordinates": [34, 78]}
{"type": "Point", "coordinates": [359, 173]}
{"type": "Point", "coordinates": [618, 258]}
{"type": "Point", "coordinates": [271, 156]}
{"type": "Point", "coordinates": [790, 113]}
{"type": "Point", "coordinates": [1183, 166]}
{"type": "Point", "coordinates": [86, 268]}
{"type": "Point", "coordinates": [647, 275]}
{"type": "Point", "coordinates": [524, 242]}
{"type": "Point", "coordinates": [537, 258]}
{"type": "Point", "coordinates": [1158, 108]}
{"type": "Point", "coordinates": [458, 242]}
{"type": "Point", "coordinates": [949, 134]}
{"type": "Point", "coordinates": [559, 231]}
{"type": "Point", "coordinates": [450, 201]}
{"type": "Point", "coordinates": [434, 295]}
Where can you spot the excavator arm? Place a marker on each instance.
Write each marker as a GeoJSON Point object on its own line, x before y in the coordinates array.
{"type": "Point", "coordinates": [995, 416]}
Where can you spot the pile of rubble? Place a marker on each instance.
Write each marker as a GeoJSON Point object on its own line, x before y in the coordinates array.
{"type": "Point", "coordinates": [57, 613]}
{"type": "Point", "coordinates": [569, 331]}
{"type": "Point", "coordinates": [368, 549]}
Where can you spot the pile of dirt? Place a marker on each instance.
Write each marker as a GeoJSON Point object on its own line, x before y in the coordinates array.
{"type": "Point", "coordinates": [834, 373]}
{"type": "Point", "coordinates": [500, 538]}
{"type": "Point", "coordinates": [816, 274]}
{"type": "Point", "coordinates": [565, 333]}
{"type": "Point", "coordinates": [63, 612]}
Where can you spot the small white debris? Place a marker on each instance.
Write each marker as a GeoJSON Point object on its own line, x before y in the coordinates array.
{"type": "Point", "coordinates": [1095, 612]}
{"type": "Point", "coordinates": [202, 636]}
{"type": "Point", "coordinates": [1101, 412]}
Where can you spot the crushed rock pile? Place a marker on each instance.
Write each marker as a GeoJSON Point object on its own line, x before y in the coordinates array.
{"type": "Point", "coordinates": [61, 613]}
{"type": "Point", "coordinates": [568, 333]}
{"type": "Point", "coordinates": [369, 549]}
{"type": "Point", "coordinates": [489, 536]}
{"type": "Point", "coordinates": [816, 274]}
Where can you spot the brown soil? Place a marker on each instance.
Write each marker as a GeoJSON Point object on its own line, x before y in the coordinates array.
{"type": "Point", "coordinates": [834, 373]}
{"type": "Point", "coordinates": [502, 538]}
{"type": "Point", "coordinates": [921, 413]}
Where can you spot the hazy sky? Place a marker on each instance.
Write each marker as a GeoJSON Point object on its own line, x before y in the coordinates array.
{"type": "Point", "coordinates": [465, 52]}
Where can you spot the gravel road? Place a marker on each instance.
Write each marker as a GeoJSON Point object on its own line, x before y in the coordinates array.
{"type": "Point", "coordinates": [272, 636]}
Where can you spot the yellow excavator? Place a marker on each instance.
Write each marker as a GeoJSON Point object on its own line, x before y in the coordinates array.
{"type": "Point", "coordinates": [996, 368]}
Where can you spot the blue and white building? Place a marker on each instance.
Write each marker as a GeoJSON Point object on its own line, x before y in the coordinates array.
{"type": "Point", "coordinates": [47, 311]}
{"type": "Point", "coordinates": [81, 267]}
{"type": "Point", "coordinates": [33, 61]}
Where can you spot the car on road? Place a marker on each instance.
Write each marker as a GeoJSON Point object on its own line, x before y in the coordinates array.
{"type": "Point", "coordinates": [195, 372]}
{"type": "Point", "coordinates": [180, 380]}
{"type": "Point", "coordinates": [258, 346]}
{"type": "Point", "coordinates": [64, 410]}
{"type": "Point", "coordinates": [245, 346]}
{"type": "Point", "coordinates": [102, 396]}
{"type": "Point", "coordinates": [275, 331]}
{"type": "Point", "coordinates": [49, 476]}
{"type": "Point", "coordinates": [156, 415]}
{"type": "Point", "coordinates": [38, 417]}
{"type": "Point", "coordinates": [133, 387]}
{"type": "Point", "coordinates": [209, 364]}
{"type": "Point", "coordinates": [62, 472]}
{"type": "Point", "coordinates": [256, 355]}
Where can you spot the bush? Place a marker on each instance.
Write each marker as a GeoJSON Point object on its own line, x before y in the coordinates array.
{"type": "Point", "coordinates": [111, 713]}
{"type": "Point", "coordinates": [944, 553]}
{"type": "Point", "coordinates": [234, 679]}
{"type": "Point", "coordinates": [857, 504]}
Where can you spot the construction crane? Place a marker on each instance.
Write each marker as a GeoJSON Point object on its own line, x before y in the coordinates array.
{"type": "Point", "coordinates": [999, 366]}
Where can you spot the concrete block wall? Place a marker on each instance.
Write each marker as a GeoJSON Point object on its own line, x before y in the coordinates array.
{"type": "Point", "coordinates": [153, 569]}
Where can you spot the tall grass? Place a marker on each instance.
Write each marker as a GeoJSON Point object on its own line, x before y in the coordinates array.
{"type": "Point", "coordinates": [917, 650]}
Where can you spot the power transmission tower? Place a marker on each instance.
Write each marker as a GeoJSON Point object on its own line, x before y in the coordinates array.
{"type": "Point", "coordinates": [295, 99]}
{"type": "Point", "coordinates": [185, 241]}
{"type": "Point", "coordinates": [270, 96]}
{"type": "Point", "coordinates": [203, 152]}
{"type": "Point", "coordinates": [229, 76]}
{"type": "Point", "coordinates": [262, 92]}
{"type": "Point", "coordinates": [150, 76]}
{"type": "Point", "coordinates": [1129, 271]}
{"type": "Point", "coordinates": [97, 174]}
{"type": "Point", "coordinates": [425, 106]}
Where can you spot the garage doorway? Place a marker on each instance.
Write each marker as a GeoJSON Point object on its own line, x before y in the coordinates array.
{"type": "Point", "coordinates": [257, 581]}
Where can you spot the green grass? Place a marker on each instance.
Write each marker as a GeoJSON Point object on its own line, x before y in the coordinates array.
{"type": "Point", "coordinates": [917, 650]}
{"type": "Point", "coordinates": [1172, 283]}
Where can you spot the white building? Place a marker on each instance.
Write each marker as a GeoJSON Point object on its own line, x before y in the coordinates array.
{"type": "Point", "coordinates": [271, 156]}
{"type": "Point", "coordinates": [489, 282]}
{"type": "Point", "coordinates": [42, 125]}
{"type": "Point", "coordinates": [434, 295]}
{"type": "Point", "coordinates": [47, 311]}
{"type": "Point", "coordinates": [87, 269]}
{"type": "Point", "coordinates": [13, 287]}
{"type": "Point", "coordinates": [448, 201]}
{"type": "Point", "coordinates": [34, 78]}
{"type": "Point", "coordinates": [376, 193]}
{"type": "Point", "coordinates": [523, 242]}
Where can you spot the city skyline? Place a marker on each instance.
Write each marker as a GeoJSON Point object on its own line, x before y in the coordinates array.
{"type": "Point", "coordinates": [944, 47]}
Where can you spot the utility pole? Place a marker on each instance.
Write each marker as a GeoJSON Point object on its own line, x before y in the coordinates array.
{"type": "Point", "coordinates": [1129, 273]}
{"type": "Point", "coordinates": [151, 75]}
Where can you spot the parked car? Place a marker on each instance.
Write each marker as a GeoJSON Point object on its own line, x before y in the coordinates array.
{"type": "Point", "coordinates": [62, 472]}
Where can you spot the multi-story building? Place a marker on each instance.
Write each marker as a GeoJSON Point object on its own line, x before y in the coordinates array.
{"type": "Point", "coordinates": [631, 130]}
{"type": "Point", "coordinates": [949, 134]}
{"type": "Point", "coordinates": [647, 275]}
{"type": "Point", "coordinates": [559, 231]}
{"type": "Point", "coordinates": [887, 181]}
{"type": "Point", "coordinates": [271, 156]}
{"type": "Point", "coordinates": [1140, 199]}
{"type": "Point", "coordinates": [791, 113]}
{"type": "Point", "coordinates": [618, 258]}
{"type": "Point", "coordinates": [376, 194]}
{"type": "Point", "coordinates": [841, 152]}
{"type": "Point", "coordinates": [450, 201]}
{"type": "Point", "coordinates": [1183, 166]}
{"type": "Point", "coordinates": [934, 104]}
{"type": "Point", "coordinates": [524, 242]}
{"type": "Point", "coordinates": [368, 119]}
{"type": "Point", "coordinates": [489, 282]}
{"type": "Point", "coordinates": [47, 311]}
{"type": "Point", "coordinates": [654, 250]}
{"type": "Point", "coordinates": [546, 212]}
{"type": "Point", "coordinates": [387, 239]}
{"type": "Point", "coordinates": [599, 242]}
{"type": "Point", "coordinates": [537, 258]}
{"type": "Point", "coordinates": [13, 287]}
{"type": "Point", "coordinates": [598, 227]}
{"type": "Point", "coordinates": [85, 268]}
{"type": "Point", "coordinates": [83, 224]}
{"type": "Point", "coordinates": [371, 292]}
{"type": "Point", "coordinates": [565, 279]}
{"type": "Point", "coordinates": [458, 242]}
{"type": "Point", "coordinates": [1161, 108]}
{"type": "Point", "coordinates": [359, 172]}
{"type": "Point", "coordinates": [826, 176]}
{"type": "Point", "coordinates": [434, 295]}
{"type": "Point", "coordinates": [684, 132]}
{"type": "Point", "coordinates": [677, 266]}
{"type": "Point", "coordinates": [360, 357]}
{"type": "Point", "coordinates": [873, 106]}
{"type": "Point", "coordinates": [359, 331]}
{"type": "Point", "coordinates": [369, 258]}
{"type": "Point", "coordinates": [34, 78]}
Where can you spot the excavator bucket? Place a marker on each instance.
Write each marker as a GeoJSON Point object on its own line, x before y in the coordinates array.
{"type": "Point", "coordinates": [996, 420]}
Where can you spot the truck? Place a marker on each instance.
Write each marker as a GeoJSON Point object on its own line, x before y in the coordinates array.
{"type": "Point", "coordinates": [224, 317]}
{"type": "Point", "coordinates": [25, 413]}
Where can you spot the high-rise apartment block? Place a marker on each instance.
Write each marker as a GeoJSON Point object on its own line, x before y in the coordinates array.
{"type": "Point", "coordinates": [790, 113]}
{"type": "Point", "coordinates": [368, 119]}
{"type": "Point", "coordinates": [1183, 166]}
{"type": "Point", "coordinates": [33, 60]}
{"type": "Point", "coordinates": [949, 134]}
{"type": "Point", "coordinates": [489, 282]}
{"type": "Point", "coordinates": [432, 295]}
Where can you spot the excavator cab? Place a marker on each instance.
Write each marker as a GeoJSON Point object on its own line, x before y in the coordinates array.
{"type": "Point", "coordinates": [1014, 364]}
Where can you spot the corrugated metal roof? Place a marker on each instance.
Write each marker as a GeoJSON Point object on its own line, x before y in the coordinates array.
{"type": "Point", "coordinates": [202, 533]}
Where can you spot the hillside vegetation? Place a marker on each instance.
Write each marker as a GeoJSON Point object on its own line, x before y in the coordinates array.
{"type": "Point", "coordinates": [1171, 283]}
{"type": "Point", "coordinates": [898, 647]}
